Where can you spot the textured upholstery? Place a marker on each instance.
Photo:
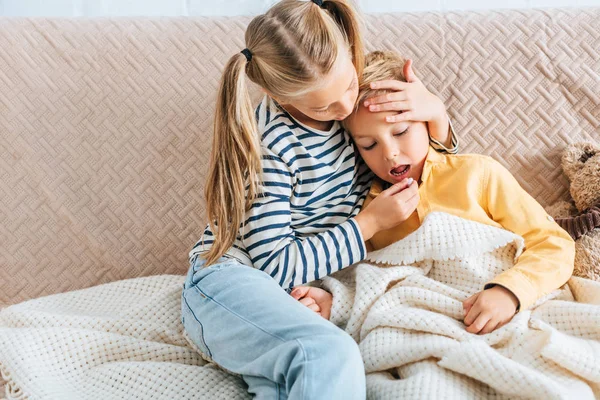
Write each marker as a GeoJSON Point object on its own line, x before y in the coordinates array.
{"type": "Point", "coordinates": [105, 125]}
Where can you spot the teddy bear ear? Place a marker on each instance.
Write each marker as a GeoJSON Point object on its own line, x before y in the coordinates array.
{"type": "Point", "coordinates": [576, 155]}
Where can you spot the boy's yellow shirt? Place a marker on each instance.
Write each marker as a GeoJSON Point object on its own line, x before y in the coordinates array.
{"type": "Point", "coordinates": [478, 188]}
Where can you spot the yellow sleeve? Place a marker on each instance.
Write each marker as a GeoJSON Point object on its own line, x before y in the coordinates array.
{"type": "Point", "coordinates": [547, 262]}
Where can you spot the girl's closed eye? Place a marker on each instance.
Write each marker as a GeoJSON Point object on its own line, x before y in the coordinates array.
{"type": "Point", "coordinates": [322, 111]}
{"type": "Point", "coordinates": [369, 147]}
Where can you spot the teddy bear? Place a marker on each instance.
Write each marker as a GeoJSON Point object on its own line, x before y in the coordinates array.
{"type": "Point", "coordinates": [581, 216]}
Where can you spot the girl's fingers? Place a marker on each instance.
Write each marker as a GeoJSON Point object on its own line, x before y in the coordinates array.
{"type": "Point", "coordinates": [315, 308]}
{"type": "Point", "coordinates": [403, 116]}
{"type": "Point", "coordinates": [387, 98]}
{"type": "Point", "coordinates": [391, 106]}
{"type": "Point", "coordinates": [391, 84]}
{"type": "Point", "coordinates": [410, 190]}
{"type": "Point", "coordinates": [398, 187]}
{"type": "Point", "coordinates": [299, 292]}
{"type": "Point", "coordinates": [408, 71]}
{"type": "Point", "coordinates": [413, 202]}
{"type": "Point", "coordinates": [307, 301]}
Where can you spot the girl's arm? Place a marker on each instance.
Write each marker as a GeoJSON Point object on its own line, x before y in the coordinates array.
{"type": "Point", "coordinates": [442, 136]}
{"type": "Point", "coordinates": [274, 246]}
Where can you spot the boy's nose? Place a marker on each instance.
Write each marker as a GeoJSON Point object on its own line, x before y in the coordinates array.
{"type": "Point", "coordinates": [390, 154]}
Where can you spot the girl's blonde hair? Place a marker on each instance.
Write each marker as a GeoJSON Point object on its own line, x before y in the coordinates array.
{"type": "Point", "coordinates": [293, 46]}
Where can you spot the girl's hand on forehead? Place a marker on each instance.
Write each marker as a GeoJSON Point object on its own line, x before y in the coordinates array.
{"type": "Point", "coordinates": [411, 99]}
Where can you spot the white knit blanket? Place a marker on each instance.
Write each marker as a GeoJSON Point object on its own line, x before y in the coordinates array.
{"type": "Point", "coordinates": [124, 340]}
{"type": "Point", "coordinates": [403, 305]}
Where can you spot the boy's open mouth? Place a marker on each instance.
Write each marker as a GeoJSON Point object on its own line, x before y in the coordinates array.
{"type": "Point", "coordinates": [400, 171]}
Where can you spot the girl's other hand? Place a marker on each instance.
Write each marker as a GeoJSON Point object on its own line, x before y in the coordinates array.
{"type": "Point", "coordinates": [390, 208]}
{"type": "Point", "coordinates": [317, 299]}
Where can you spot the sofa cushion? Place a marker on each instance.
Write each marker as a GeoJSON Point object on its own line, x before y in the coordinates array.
{"type": "Point", "coordinates": [105, 125]}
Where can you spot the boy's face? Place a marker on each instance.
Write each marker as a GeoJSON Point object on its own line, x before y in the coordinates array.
{"type": "Point", "coordinates": [393, 151]}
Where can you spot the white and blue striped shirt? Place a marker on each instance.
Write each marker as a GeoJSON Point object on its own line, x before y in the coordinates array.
{"type": "Point", "coordinates": [301, 228]}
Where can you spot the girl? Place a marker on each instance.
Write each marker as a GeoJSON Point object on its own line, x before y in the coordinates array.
{"type": "Point", "coordinates": [471, 186]}
{"type": "Point", "coordinates": [283, 194]}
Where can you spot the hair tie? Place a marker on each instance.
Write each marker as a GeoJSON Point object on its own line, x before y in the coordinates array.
{"type": "Point", "coordinates": [247, 53]}
{"type": "Point", "coordinates": [318, 2]}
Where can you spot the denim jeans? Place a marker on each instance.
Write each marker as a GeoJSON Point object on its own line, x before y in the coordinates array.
{"type": "Point", "coordinates": [242, 319]}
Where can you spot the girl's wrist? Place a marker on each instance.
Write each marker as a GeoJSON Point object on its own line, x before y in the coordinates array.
{"type": "Point", "coordinates": [366, 223]}
{"type": "Point", "coordinates": [439, 129]}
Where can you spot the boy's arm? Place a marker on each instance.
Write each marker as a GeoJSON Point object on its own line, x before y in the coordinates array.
{"type": "Point", "coordinates": [547, 262]}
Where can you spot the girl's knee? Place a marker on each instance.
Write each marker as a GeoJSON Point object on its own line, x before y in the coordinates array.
{"type": "Point", "coordinates": [343, 346]}
{"type": "Point", "coordinates": [336, 346]}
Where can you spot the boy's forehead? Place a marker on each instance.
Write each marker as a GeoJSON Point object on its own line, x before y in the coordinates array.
{"type": "Point", "coordinates": [365, 123]}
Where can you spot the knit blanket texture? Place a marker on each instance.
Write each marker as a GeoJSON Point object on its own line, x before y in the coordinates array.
{"type": "Point", "coordinates": [403, 305]}
{"type": "Point", "coordinates": [125, 340]}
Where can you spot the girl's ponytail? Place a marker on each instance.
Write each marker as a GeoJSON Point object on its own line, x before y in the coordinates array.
{"type": "Point", "coordinates": [235, 167]}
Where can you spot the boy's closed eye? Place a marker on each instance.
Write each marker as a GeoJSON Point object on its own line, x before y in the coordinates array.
{"type": "Point", "coordinates": [395, 135]}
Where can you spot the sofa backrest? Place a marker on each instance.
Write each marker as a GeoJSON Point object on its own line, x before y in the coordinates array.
{"type": "Point", "coordinates": [105, 125]}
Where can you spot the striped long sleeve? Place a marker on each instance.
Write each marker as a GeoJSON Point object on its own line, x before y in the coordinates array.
{"type": "Point", "coordinates": [274, 244]}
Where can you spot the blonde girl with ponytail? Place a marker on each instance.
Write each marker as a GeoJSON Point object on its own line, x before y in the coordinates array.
{"type": "Point", "coordinates": [283, 195]}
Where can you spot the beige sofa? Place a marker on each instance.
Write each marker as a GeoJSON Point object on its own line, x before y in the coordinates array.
{"type": "Point", "coordinates": [105, 125]}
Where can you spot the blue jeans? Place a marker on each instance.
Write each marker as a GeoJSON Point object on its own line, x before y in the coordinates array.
{"type": "Point", "coordinates": [242, 319]}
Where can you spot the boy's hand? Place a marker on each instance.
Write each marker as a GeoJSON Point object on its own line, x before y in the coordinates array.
{"type": "Point", "coordinates": [316, 299]}
{"type": "Point", "coordinates": [411, 99]}
{"type": "Point", "coordinates": [489, 309]}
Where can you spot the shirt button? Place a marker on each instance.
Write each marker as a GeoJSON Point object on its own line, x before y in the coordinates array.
{"type": "Point", "coordinates": [550, 218]}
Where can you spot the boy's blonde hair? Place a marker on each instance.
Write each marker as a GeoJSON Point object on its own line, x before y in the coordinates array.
{"type": "Point", "coordinates": [293, 46]}
{"type": "Point", "coordinates": [379, 66]}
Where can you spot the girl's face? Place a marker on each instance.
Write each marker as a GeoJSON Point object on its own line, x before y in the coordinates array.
{"type": "Point", "coordinates": [335, 98]}
{"type": "Point", "coordinates": [393, 151]}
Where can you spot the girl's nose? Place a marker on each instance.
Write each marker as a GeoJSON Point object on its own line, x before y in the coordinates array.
{"type": "Point", "coordinates": [345, 107]}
